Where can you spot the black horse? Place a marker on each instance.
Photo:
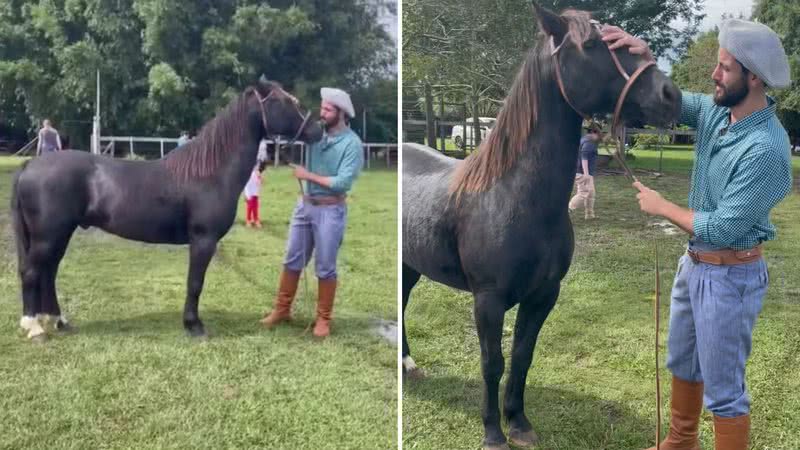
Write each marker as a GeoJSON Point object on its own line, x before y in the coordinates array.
{"type": "Point", "coordinates": [188, 197]}
{"type": "Point", "coordinates": [497, 224]}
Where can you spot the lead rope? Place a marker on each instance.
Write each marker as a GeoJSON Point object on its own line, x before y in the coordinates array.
{"type": "Point", "coordinates": [618, 155]}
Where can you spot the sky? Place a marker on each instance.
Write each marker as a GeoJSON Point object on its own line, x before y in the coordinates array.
{"type": "Point", "coordinates": [713, 10]}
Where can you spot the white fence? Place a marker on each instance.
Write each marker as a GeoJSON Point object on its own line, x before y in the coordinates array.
{"type": "Point", "coordinates": [372, 150]}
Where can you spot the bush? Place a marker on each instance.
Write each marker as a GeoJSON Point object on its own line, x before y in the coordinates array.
{"type": "Point", "coordinates": [650, 141]}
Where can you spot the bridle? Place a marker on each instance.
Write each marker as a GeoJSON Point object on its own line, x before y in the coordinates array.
{"type": "Point", "coordinates": [263, 100]}
{"type": "Point", "coordinates": [630, 79]}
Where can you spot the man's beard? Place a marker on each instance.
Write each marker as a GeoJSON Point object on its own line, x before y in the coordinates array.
{"type": "Point", "coordinates": [333, 122]}
{"type": "Point", "coordinates": [732, 95]}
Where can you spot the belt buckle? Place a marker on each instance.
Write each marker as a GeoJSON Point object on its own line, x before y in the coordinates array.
{"type": "Point", "coordinates": [693, 255]}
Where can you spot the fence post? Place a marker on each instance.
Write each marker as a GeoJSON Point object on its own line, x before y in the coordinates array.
{"type": "Point", "coordinates": [162, 147]}
{"type": "Point", "coordinates": [429, 126]}
{"type": "Point", "coordinates": [131, 141]}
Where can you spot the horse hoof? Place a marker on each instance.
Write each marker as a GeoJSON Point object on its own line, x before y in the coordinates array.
{"type": "Point", "coordinates": [414, 374]}
{"type": "Point", "coordinates": [524, 439]}
{"type": "Point", "coordinates": [39, 338]}
{"type": "Point", "coordinates": [65, 327]}
{"type": "Point", "coordinates": [197, 334]}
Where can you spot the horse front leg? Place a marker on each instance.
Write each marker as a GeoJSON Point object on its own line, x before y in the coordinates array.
{"type": "Point", "coordinates": [489, 314]}
{"type": "Point", "coordinates": [410, 278]}
{"type": "Point", "coordinates": [530, 317]}
{"type": "Point", "coordinates": [201, 251]}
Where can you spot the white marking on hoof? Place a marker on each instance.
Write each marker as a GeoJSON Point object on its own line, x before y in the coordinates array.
{"type": "Point", "coordinates": [32, 326]}
{"type": "Point", "coordinates": [46, 320]}
{"type": "Point", "coordinates": [409, 364]}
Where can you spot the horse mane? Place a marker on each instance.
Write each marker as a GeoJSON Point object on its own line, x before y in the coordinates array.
{"type": "Point", "coordinates": [204, 155]}
{"type": "Point", "coordinates": [517, 118]}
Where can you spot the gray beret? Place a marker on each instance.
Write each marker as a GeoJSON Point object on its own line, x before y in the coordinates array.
{"type": "Point", "coordinates": [339, 98]}
{"type": "Point", "coordinates": [758, 48]}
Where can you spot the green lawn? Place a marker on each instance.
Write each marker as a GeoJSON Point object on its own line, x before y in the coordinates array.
{"type": "Point", "coordinates": [131, 379]}
{"type": "Point", "coordinates": [591, 385]}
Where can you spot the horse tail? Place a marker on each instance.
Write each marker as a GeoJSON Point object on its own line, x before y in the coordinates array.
{"type": "Point", "coordinates": [21, 232]}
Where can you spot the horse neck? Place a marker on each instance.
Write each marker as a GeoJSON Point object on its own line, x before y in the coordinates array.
{"type": "Point", "coordinates": [236, 171]}
{"type": "Point", "coordinates": [547, 166]}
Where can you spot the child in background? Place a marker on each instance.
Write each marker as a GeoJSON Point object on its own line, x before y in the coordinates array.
{"type": "Point", "coordinates": [251, 192]}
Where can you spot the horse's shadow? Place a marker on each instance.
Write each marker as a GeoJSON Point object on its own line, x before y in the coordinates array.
{"type": "Point", "coordinates": [219, 323]}
{"type": "Point", "coordinates": [563, 419]}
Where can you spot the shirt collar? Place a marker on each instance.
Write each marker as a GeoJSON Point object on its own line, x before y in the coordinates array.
{"type": "Point", "coordinates": [755, 118]}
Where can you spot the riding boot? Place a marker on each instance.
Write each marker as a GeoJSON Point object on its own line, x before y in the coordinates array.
{"type": "Point", "coordinates": [687, 404]}
{"type": "Point", "coordinates": [327, 292]}
{"type": "Point", "coordinates": [731, 433]}
{"type": "Point", "coordinates": [283, 301]}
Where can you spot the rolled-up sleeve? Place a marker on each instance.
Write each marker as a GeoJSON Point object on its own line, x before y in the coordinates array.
{"type": "Point", "coordinates": [349, 167]}
{"type": "Point", "coordinates": [762, 179]}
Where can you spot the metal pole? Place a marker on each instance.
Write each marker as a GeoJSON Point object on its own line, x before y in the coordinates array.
{"type": "Point", "coordinates": [96, 125]}
{"type": "Point", "coordinates": [162, 148]}
{"type": "Point", "coordinates": [364, 125]}
{"type": "Point", "coordinates": [132, 153]}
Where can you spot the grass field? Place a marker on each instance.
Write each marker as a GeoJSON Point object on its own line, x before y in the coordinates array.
{"type": "Point", "coordinates": [130, 378]}
{"type": "Point", "coordinates": [591, 385]}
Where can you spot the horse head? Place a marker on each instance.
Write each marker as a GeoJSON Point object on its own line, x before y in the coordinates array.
{"type": "Point", "coordinates": [596, 80]}
{"type": "Point", "coordinates": [281, 113]}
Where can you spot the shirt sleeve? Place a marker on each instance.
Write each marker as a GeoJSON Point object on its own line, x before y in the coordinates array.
{"type": "Point", "coordinates": [692, 107]}
{"type": "Point", "coordinates": [762, 180]}
{"type": "Point", "coordinates": [349, 168]}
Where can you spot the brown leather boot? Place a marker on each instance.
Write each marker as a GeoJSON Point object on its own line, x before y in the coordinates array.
{"type": "Point", "coordinates": [282, 311]}
{"type": "Point", "coordinates": [327, 292]}
{"type": "Point", "coordinates": [732, 433]}
{"type": "Point", "coordinates": [687, 404]}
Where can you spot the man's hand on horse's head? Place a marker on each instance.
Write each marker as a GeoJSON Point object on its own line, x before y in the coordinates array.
{"type": "Point", "coordinates": [616, 38]}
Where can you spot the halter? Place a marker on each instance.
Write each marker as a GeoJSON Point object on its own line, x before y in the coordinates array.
{"type": "Point", "coordinates": [629, 81]}
{"type": "Point", "coordinates": [262, 100]}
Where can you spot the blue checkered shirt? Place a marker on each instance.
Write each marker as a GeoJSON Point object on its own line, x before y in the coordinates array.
{"type": "Point", "coordinates": [740, 172]}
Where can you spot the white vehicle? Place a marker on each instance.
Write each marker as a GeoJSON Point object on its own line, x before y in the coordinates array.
{"type": "Point", "coordinates": [461, 141]}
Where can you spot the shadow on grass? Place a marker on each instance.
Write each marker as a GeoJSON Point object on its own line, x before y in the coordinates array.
{"type": "Point", "coordinates": [219, 323]}
{"type": "Point", "coordinates": [563, 419]}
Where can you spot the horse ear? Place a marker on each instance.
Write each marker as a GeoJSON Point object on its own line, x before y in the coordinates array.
{"type": "Point", "coordinates": [551, 23]}
{"type": "Point", "coordinates": [264, 85]}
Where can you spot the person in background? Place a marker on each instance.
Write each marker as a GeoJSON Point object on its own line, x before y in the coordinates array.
{"type": "Point", "coordinates": [49, 140]}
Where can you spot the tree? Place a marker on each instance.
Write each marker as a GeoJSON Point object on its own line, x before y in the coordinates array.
{"type": "Point", "coordinates": [783, 16]}
{"type": "Point", "coordinates": [167, 65]}
{"type": "Point", "coordinates": [480, 43]}
{"type": "Point", "coordinates": [693, 71]}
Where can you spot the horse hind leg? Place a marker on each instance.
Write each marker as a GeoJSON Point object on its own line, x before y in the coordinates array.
{"type": "Point", "coordinates": [50, 310]}
{"type": "Point", "coordinates": [31, 273]}
{"type": "Point", "coordinates": [410, 278]}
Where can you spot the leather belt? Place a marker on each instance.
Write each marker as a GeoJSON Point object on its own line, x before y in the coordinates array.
{"type": "Point", "coordinates": [324, 200]}
{"type": "Point", "coordinates": [726, 257]}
